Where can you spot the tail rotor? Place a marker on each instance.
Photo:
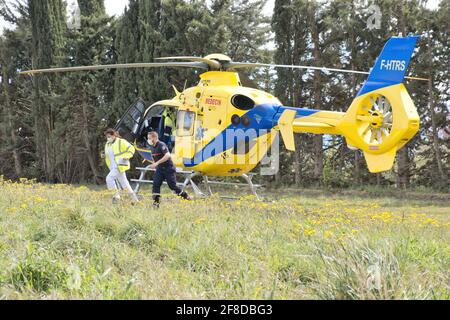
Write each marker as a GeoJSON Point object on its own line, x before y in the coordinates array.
{"type": "Point", "coordinates": [383, 118]}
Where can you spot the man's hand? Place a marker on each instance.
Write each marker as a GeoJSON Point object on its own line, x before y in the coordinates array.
{"type": "Point", "coordinates": [153, 166]}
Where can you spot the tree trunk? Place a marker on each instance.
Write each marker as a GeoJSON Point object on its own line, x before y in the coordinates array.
{"type": "Point", "coordinates": [357, 172]}
{"type": "Point", "coordinates": [39, 125]}
{"type": "Point", "coordinates": [278, 174]}
{"type": "Point", "coordinates": [295, 91]}
{"type": "Point", "coordinates": [354, 53]}
{"type": "Point", "coordinates": [87, 144]}
{"type": "Point", "coordinates": [317, 93]}
{"type": "Point", "coordinates": [403, 155]}
{"type": "Point", "coordinates": [14, 143]}
{"type": "Point", "coordinates": [437, 152]}
{"type": "Point", "coordinates": [297, 160]}
{"type": "Point", "coordinates": [318, 160]}
{"type": "Point", "coordinates": [403, 168]}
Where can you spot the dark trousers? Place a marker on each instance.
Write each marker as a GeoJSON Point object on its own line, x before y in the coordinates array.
{"type": "Point", "coordinates": [168, 174]}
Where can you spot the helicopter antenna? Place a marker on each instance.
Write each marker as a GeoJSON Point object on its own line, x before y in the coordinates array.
{"type": "Point", "coordinates": [177, 93]}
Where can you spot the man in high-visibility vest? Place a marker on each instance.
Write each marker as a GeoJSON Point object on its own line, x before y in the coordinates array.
{"type": "Point", "coordinates": [118, 153]}
{"type": "Point", "coordinates": [169, 127]}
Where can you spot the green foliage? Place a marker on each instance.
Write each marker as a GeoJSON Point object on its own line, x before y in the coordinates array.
{"type": "Point", "coordinates": [37, 272]}
{"type": "Point", "coordinates": [333, 178]}
{"type": "Point", "coordinates": [361, 270]}
{"type": "Point", "coordinates": [346, 42]}
{"type": "Point", "coordinates": [52, 125]}
{"type": "Point", "coordinates": [91, 7]}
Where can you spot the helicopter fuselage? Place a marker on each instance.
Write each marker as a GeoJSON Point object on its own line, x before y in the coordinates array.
{"type": "Point", "coordinates": [222, 128]}
{"type": "Point", "coordinates": [225, 129]}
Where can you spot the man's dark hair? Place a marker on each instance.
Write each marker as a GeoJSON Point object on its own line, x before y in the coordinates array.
{"type": "Point", "coordinates": [153, 134]}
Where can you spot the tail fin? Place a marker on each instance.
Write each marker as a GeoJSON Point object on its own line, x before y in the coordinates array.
{"type": "Point", "coordinates": [392, 64]}
{"type": "Point", "coordinates": [383, 118]}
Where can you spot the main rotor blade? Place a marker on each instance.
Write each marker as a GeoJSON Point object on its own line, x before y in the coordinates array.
{"type": "Point", "coordinates": [215, 65]}
{"type": "Point", "coordinates": [199, 65]}
{"type": "Point", "coordinates": [240, 65]}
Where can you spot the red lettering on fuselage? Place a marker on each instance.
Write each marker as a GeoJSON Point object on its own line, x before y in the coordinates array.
{"type": "Point", "coordinates": [213, 102]}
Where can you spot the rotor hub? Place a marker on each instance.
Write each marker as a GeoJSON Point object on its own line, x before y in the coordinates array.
{"type": "Point", "coordinates": [218, 57]}
{"type": "Point", "coordinates": [376, 120]}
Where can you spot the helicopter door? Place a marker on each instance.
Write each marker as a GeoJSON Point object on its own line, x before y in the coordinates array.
{"type": "Point", "coordinates": [185, 140]}
{"type": "Point", "coordinates": [128, 126]}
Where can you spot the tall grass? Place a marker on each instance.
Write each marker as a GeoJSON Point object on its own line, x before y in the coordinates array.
{"type": "Point", "coordinates": [65, 242]}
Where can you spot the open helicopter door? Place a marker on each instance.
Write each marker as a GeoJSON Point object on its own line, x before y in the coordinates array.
{"type": "Point", "coordinates": [129, 125]}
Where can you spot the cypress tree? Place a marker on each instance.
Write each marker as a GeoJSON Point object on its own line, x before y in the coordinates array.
{"type": "Point", "coordinates": [126, 47]}
{"type": "Point", "coordinates": [149, 45]}
{"type": "Point", "coordinates": [91, 7]}
{"type": "Point", "coordinates": [47, 24]}
{"type": "Point", "coordinates": [87, 93]}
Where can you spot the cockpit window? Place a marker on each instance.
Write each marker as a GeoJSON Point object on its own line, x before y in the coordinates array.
{"type": "Point", "coordinates": [185, 123]}
{"type": "Point", "coordinates": [154, 112]}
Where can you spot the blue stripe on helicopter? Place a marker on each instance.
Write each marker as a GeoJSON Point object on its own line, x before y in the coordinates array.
{"type": "Point", "coordinates": [392, 64]}
{"type": "Point", "coordinates": [262, 119]}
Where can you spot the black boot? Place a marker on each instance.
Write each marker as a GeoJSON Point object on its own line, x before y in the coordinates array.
{"type": "Point", "coordinates": [185, 196]}
{"type": "Point", "coordinates": [156, 202]}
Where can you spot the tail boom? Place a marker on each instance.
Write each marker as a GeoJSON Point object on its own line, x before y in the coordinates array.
{"type": "Point", "coordinates": [381, 119]}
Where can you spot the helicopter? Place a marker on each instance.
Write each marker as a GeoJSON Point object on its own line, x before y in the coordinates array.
{"type": "Point", "coordinates": [223, 129]}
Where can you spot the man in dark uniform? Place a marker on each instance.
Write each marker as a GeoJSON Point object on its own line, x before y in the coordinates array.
{"type": "Point", "coordinates": [165, 169]}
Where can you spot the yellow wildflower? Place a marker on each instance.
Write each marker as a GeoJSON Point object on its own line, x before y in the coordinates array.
{"type": "Point", "coordinates": [328, 234]}
{"type": "Point", "coordinates": [11, 210]}
{"type": "Point", "coordinates": [200, 220]}
{"type": "Point", "coordinates": [309, 232]}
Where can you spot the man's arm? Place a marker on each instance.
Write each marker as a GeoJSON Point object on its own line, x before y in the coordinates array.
{"type": "Point", "coordinates": [166, 158]}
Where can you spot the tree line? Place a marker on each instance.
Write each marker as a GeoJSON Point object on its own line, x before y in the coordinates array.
{"type": "Point", "coordinates": [52, 125]}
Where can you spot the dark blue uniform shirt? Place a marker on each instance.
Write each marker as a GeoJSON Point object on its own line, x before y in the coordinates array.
{"type": "Point", "coordinates": [158, 152]}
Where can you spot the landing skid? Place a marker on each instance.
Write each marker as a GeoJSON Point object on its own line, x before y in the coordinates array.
{"type": "Point", "coordinates": [249, 183]}
{"type": "Point", "coordinates": [188, 177]}
{"type": "Point", "coordinates": [188, 180]}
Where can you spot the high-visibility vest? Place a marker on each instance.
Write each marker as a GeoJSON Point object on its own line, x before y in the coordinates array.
{"type": "Point", "coordinates": [168, 122]}
{"type": "Point", "coordinates": [123, 152]}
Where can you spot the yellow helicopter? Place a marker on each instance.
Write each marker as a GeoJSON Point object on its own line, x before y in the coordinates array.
{"type": "Point", "coordinates": [223, 129]}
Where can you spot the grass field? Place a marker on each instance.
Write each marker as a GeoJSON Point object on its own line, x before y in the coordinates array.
{"type": "Point", "coordinates": [65, 242]}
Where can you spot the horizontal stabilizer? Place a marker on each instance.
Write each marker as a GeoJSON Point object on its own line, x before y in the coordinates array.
{"type": "Point", "coordinates": [286, 125]}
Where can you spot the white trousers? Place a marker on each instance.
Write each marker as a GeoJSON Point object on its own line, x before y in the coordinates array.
{"type": "Point", "coordinates": [121, 177]}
